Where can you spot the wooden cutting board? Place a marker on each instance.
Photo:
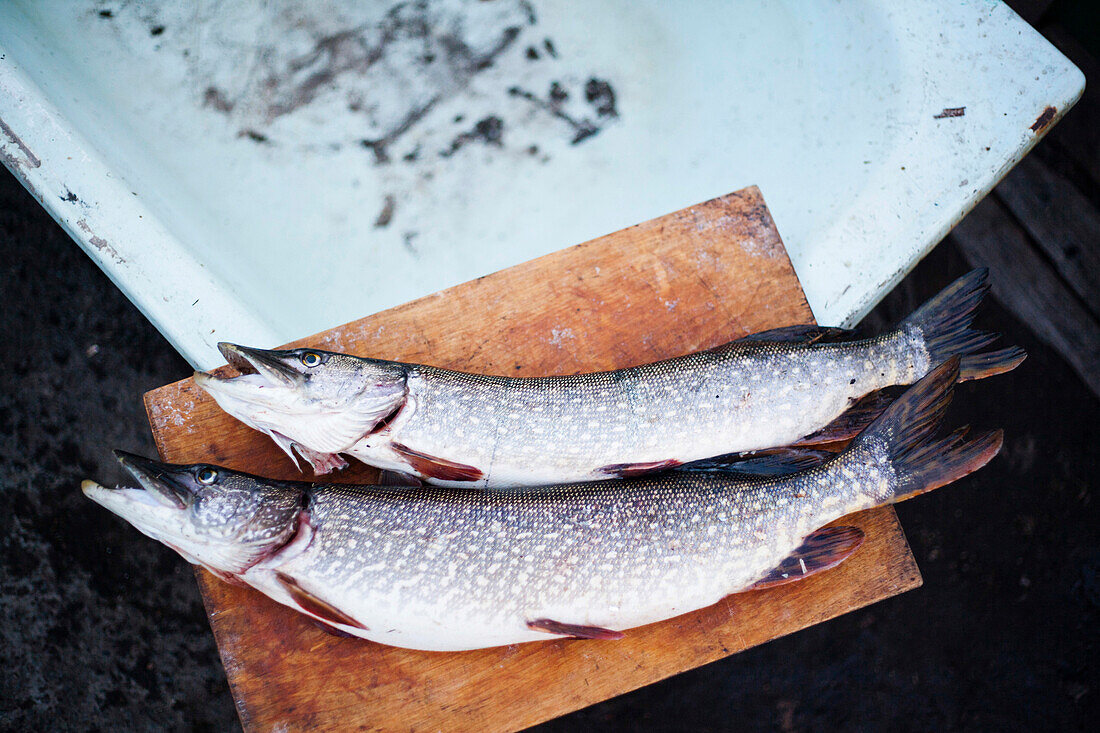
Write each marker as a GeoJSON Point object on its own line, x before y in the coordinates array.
{"type": "Point", "coordinates": [687, 281]}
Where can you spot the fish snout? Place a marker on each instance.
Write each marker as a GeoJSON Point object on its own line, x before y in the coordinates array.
{"type": "Point", "coordinates": [159, 480]}
{"type": "Point", "coordinates": [278, 367]}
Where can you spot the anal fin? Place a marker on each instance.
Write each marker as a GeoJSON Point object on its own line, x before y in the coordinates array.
{"type": "Point", "coordinates": [318, 607]}
{"type": "Point", "coordinates": [822, 549]}
{"type": "Point", "coordinates": [575, 630]}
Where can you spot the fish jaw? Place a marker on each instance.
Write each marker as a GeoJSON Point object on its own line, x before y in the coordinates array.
{"type": "Point", "coordinates": [148, 512]}
{"type": "Point", "coordinates": [322, 410]}
{"type": "Point", "coordinates": [227, 526]}
{"type": "Point", "coordinates": [248, 360]}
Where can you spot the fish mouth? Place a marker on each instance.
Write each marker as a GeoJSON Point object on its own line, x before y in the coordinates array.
{"type": "Point", "coordinates": [257, 367]}
{"type": "Point", "coordinates": [157, 481]}
{"type": "Point", "coordinates": [147, 505]}
{"type": "Point", "coordinates": [265, 362]}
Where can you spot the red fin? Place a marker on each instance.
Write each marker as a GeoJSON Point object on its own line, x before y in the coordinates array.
{"type": "Point", "coordinates": [398, 478]}
{"type": "Point", "coordinates": [437, 468]}
{"type": "Point", "coordinates": [322, 463]}
{"type": "Point", "coordinates": [853, 420]}
{"type": "Point", "coordinates": [574, 630]}
{"type": "Point", "coordinates": [980, 366]}
{"type": "Point", "coordinates": [314, 605]}
{"type": "Point", "coordinates": [938, 463]}
{"type": "Point", "coordinates": [631, 470]}
{"type": "Point", "coordinates": [822, 549]}
{"type": "Point", "coordinates": [944, 323]}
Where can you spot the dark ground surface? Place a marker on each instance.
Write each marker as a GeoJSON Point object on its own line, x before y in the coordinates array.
{"type": "Point", "coordinates": [104, 629]}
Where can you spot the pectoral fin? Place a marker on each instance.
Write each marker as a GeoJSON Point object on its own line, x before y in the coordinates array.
{"type": "Point", "coordinates": [226, 577]}
{"type": "Point", "coordinates": [310, 603]}
{"type": "Point", "coordinates": [822, 549]}
{"type": "Point", "coordinates": [574, 630]}
{"type": "Point", "coordinates": [286, 445]}
{"type": "Point", "coordinates": [322, 462]}
{"type": "Point", "coordinates": [437, 468]}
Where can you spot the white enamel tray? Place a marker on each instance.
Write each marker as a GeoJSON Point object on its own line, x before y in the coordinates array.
{"type": "Point", "coordinates": [258, 171]}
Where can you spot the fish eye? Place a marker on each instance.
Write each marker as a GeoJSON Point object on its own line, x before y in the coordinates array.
{"type": "Point", "coordinates": [206, 476]}
{"type": "Point", "coordinates": [310, 358]}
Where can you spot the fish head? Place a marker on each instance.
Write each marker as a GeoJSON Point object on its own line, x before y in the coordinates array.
{"type": "Point", "coordinates": [321, 400]}
{"type": "Point", "coordinates": [223, 519]}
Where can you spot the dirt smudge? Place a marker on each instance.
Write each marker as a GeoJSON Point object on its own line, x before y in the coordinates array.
{"type": "Point", "coordinates": [32, 159]}
{"type": "Point", "coordinates": [488, 131]}
{"type": "Point", "coordinates": [100, 243]}
{"type": "Point", "coordinates": [385, 216]}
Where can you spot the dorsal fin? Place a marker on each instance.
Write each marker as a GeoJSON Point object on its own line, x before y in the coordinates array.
{"type": "Point", "coordinates": [801, 334]}
{"type": "Point", "coordinates": [822, 549]}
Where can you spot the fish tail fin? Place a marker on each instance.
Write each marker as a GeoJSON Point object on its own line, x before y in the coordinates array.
{"type": "Point", "coordinates": [944, 324]}
{"type": "Point", "coordinates": [919, 462]}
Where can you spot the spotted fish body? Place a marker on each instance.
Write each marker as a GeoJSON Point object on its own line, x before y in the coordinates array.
{"type": "Point", "coordinates": [469, 430]}
{"type": "Point", "coordinates": [448, 569]}
{"type": "Point", "coordinates": [535, 431]}
{"type": "Point", "coordinates": [444, 569]}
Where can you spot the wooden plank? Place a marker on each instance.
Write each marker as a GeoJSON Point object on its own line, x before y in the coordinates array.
{"type": "Point", "coordinates": [1029, 287]}
{"type": "Point", "coordinates": [687, 281]}
{"type": "Point", "coordinates": [1061, 220]}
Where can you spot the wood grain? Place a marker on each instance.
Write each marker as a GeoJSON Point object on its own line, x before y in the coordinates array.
{"type": "Point", "coordinates": [1061, 220]}
{"type": "Point", "coordinates": [1030, 288]}
{"type": "Point", "coordinates": [686, 281]}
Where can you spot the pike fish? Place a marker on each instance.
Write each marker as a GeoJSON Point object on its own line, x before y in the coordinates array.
{"type": "Point", "coordinates": [452, 428]}
{"type": "Point", "coordinates": [440, 568]}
